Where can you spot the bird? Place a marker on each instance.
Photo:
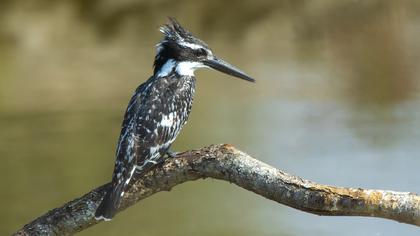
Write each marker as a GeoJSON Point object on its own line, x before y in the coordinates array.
{"type": "Point", "coordinates": [158, 110]}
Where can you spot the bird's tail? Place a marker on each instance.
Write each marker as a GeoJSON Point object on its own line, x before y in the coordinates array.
{"type": "Point", "coordinates": [109, 205]}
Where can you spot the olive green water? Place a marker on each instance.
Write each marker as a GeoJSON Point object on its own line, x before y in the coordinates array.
{"type": "Point", "coordinates": [336, 101]}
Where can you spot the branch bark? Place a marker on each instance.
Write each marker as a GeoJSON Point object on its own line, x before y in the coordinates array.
{"type": "Point", "coordinates": [225, 162]}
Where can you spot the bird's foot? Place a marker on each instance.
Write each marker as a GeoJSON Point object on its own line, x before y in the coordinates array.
{"type": "Point", "coordinates": [171, 154]}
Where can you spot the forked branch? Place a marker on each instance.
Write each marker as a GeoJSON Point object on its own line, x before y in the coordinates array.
{"type": "Point", "coordinates": [225, 162]}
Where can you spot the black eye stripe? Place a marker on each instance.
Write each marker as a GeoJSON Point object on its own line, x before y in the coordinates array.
{"type": "Point", "coordinates": [200, 52]}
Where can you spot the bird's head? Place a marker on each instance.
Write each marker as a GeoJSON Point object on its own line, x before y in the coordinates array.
{"type": "Point", "coordinates": [181, 52]}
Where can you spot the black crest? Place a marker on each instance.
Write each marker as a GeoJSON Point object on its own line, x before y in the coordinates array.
{"type": "Point", "coordinates": [173, 31]}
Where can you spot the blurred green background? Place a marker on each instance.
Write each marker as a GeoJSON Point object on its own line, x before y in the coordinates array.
{"type": "Point", "coordinates": [336, 101]}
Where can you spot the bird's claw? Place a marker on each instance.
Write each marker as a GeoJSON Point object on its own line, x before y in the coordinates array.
{"type": "Point", "coordinates": [171, 154]}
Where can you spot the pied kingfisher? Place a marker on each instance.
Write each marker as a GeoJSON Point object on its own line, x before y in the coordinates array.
{"type": "Point", "coordinates": [159, 109]}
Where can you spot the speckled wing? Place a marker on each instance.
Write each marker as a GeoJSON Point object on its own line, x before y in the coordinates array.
{"type": "Point", "coordinates": [127, 144]}
{"type": "Point", "coordinates": [154, 118]}
{"type": "Point", "coordinates": [165, 110]}
{"type": "Point", "coordinates": [125, 160]}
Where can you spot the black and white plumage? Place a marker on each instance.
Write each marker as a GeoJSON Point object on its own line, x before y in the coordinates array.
{"type": "Point", "coordinates": [159, 109]}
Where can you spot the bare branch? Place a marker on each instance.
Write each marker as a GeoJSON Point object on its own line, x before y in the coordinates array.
{"type": "Point", "coordinates": [227, 163]}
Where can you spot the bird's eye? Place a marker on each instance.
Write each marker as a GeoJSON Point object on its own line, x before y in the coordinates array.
{"type": "Point", "coordinates": [202, 52]}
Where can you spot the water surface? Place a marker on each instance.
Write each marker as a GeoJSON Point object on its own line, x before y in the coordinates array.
{"type": "Point", "coordinates": [336, 101]}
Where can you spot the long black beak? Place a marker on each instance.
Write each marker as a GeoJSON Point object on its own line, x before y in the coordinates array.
{"type": "Point", "coordinates": [222, 66]}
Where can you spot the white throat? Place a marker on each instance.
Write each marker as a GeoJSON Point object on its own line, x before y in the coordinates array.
{"type": "Point", "coordinates": [184, 68]}
{"type": "Point", "coordinates": [187, 68]}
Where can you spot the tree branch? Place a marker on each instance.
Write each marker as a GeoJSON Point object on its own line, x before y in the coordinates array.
{"type": "Point", "coordinates": [224, 162]}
